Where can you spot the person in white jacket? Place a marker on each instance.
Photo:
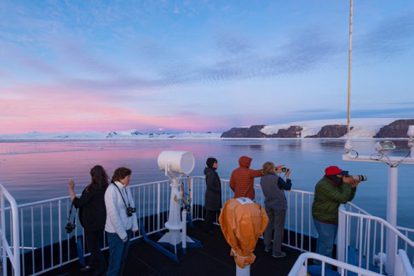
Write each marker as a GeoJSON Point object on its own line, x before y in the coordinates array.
{"type": "Point", "coordinates": [121, 219]}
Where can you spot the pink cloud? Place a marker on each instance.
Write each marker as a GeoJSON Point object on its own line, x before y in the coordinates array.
{"type": "Point", "coordinates": [55, 109]}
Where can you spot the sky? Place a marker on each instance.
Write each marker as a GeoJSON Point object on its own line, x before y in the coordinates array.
{"type": "Point", "coordinates": [200, 65]}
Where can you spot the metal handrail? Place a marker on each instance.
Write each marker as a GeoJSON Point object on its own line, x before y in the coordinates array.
{"type": "Point", "coordinates": [369, 239]}
{"type": "Point", "coordinates": [381, 221]}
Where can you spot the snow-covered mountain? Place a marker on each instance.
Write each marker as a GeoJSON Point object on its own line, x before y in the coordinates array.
{"type": "Point", "coordinates": [131, 134]}
{"type": "Point", "coordinates": [361, 127]}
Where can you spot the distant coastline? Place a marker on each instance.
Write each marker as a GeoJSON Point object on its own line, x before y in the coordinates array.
{"type": "Point", "coordinates": [326, 129]}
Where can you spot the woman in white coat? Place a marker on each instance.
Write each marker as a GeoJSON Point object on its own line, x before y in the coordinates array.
{"type": "Point", "coordinates": [121, 220]}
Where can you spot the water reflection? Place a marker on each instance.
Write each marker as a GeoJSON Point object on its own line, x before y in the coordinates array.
{"type": "Point", "coordinates": [333, 143]}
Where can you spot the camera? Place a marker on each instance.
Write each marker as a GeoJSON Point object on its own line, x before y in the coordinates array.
{"type": "Point", "coordinates": [70, 227]}
{"type": "Point", "coordinates": [284, 169]}
{"type": "Point", "coordinates": [359, 177]}
{"type": "Point", "coordinates": [130, 211]}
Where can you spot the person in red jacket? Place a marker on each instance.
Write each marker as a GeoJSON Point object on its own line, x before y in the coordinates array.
{"type": "Point", "coordinates": [242, 178]}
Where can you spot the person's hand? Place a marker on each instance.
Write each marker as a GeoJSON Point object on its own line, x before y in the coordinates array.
{"type": "Point", "coordinates": [71, 184]}
{"type": "Point", "coordinates": [287, 174]}
{"type": "Point", "coordinates": [350, 180]}
{"type": "Point", "coordinates": [355, 183]}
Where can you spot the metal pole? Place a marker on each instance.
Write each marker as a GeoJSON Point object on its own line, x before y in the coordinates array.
{"type": "Point", "coordinates": [184, 230]}
{"type": "Point", "coordinates": [341, 237]}
{"type": "Point", "coordinates": [392, 202]}
{"type": "Point", "coordinates": [243, 271]}
{"type": "Point", "coordinates": [349, 67]}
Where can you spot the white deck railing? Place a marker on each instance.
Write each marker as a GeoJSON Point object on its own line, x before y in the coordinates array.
{"type": "Point", "coordinates": [45, 245]}
{"type": "Point", "coordinates": [9, 233]}
{"type": "Point", "coordinates": [43, 234]}
{"type": "Point", "coordinates": [361, 237]}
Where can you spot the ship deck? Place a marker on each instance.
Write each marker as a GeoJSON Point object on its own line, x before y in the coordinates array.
{"type": "Point", "coordinates": [211, 259]}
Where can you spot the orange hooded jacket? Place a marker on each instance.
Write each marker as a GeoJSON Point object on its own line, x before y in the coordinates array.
{"type": "Point", "coordinates": [242, 178]}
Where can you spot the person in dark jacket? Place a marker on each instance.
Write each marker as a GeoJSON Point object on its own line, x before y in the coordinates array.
{"type": "Point", "coordinates": [273, 187]}
{"type": "Point", "coordinates": [92, 215]}
{"type": "Point", "coordinates": [335, 188]}
{"type": "Point", "coordinates": [213, 192]}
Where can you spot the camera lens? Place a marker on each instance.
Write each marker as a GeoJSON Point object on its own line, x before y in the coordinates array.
{"type": "Point", "coordinates": [360, 177]}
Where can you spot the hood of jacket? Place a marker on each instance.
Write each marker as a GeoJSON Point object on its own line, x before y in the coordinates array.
{"type": "Point", "coordinates": [245, 161]}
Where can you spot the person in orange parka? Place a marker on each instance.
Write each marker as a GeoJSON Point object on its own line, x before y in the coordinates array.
{"type": "Point", "coordinates": [242, 178]}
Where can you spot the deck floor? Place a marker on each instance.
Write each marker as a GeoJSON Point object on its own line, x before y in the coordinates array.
{"type": "Point", "coordinates": [212, 259]}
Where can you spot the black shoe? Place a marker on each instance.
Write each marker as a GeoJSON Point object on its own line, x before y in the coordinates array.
{"type": "Point", "coordinates": [86, 268]}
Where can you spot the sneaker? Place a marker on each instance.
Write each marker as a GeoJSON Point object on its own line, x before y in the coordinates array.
{"type": "Point", "coordinates": [280, 255]}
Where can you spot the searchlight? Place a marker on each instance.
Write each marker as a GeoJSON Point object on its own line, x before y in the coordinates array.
{"type": "Point", "coordinates": [176, 164]}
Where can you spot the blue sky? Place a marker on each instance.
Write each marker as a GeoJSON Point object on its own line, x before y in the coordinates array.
{"type": "Point", "coordinates": [200, 65]}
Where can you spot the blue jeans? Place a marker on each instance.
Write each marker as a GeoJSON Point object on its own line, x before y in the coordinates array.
{"type": "Point", "coordinates": [326, 239]}
{"type": "Point", "coordinates": [118, 251]}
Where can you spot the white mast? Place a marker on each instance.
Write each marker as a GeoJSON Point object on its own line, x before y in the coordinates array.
{"type": "Point", "coordinates": [391, 161]}
{"type": "Point", "coordinates": [349, 68]}
{"type": "Point", "coordinates": [348, 144]}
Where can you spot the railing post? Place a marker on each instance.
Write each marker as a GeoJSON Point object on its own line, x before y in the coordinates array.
{"type": "Point", "coordinates": [16, 237]}
{"type": "Point", "coordinates": [158, 206]}
{"type": "Point", "coordinates": [392, 201]}
{"type": "Point", "coordinates": [341, 239]}
{"type": "Point", "coordinates": [3, 232]}
{"type": "Point", "coordinates": [15, 243]}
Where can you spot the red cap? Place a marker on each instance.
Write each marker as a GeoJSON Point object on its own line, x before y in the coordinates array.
{"type": "Point", "coordinates": [334, 170]}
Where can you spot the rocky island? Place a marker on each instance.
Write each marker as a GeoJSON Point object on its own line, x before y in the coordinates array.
{"type": "Point", "coordinates": [365, 128]}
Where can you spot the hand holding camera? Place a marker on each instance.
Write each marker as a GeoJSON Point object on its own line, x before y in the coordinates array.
{"type": "Point", "coordinates": [287, 173]}
{"type": "Point", "coordinates": [279, 169]}
{"type": "Point", "coordinates": [354, 180]}
{"type": "Point", "coordinates": [282, 169]}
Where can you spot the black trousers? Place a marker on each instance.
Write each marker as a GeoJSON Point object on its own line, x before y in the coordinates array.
{"type": "Point", "coordinates": [97, 261]}
{"type": "Point", "coordinates": [211, 216]}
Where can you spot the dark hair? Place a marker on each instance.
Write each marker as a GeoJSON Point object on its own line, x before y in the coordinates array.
{"type": "Point", "coordinates": [210, 162]}
{"type": "Point", "coordinates": [99, 178]}
{"type": "Point", "coordinates": [121, 173]}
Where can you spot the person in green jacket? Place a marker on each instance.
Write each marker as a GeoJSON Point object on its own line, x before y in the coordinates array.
{"type": "Point", "coordinates": [335, 188]}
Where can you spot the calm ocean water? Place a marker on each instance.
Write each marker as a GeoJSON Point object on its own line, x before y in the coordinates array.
{"type": "Point", "coordinates": [39, 170]}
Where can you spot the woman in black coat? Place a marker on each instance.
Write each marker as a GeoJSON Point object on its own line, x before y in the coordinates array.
{"type": "Point", "coordinates": [92, 215]}
{"type": "Point", "coordinates": [213, 193]}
